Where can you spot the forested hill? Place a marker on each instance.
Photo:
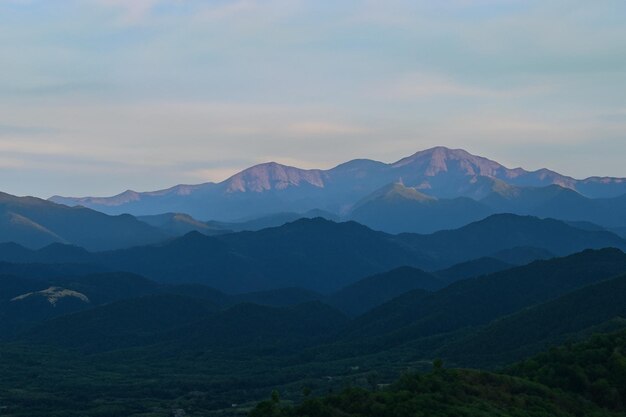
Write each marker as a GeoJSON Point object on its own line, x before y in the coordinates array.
{"type": "Point", "coordinates": [586, 379]}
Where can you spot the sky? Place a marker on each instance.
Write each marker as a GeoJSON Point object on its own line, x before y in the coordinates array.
{"type": "Point", "coordinates": [100, 96]}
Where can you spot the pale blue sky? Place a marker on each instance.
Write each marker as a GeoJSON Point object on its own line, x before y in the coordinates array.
{"type": "Point", "coordinates": [97, 96]}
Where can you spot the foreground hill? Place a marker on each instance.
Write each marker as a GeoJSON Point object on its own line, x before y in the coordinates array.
{"type": "Point", "coordinates": [35, 223]}
{"type": "Point", "coordinates": [580, 380]}
{"type": "Point", "coordinates": [594, 370]}
{"type": "Point", "coordinates": [274, 188]}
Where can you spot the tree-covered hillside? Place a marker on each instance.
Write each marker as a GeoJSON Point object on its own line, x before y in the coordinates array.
{"type": "Point", "coordinates": [586, 379]}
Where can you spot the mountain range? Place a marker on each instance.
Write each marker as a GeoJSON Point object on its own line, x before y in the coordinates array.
{"type": "Point", "coordinates": [322, 255]}
{"type": "Point", "coordinates": [434, 190]}
{"type": "Point", "coordinates": [200, 300]}
{"type": "Point", "coordinates": [270, 188]}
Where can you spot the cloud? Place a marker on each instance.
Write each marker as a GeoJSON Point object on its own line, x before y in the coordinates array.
{"type": "Point", "coordinates": [425, 85]}
{"type": "Point", "coordinates": [228, 10]}
{"type": "Point", "coordinates": [615, 116]}
{"type": "Point", "coordinates": [132, 11]}
{"type": "Point", "coordinates": [307, 128]}
{"type": "Point", "coordinates": [11, 163]}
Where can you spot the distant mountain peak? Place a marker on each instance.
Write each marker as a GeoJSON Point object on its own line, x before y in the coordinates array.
{"type": "Point", "coordinates": [272, 176]}
{"type": "Point", "coordinates": [440, 159]}
{"type": "Point", "coordinates": [125, 197]}
{"type": "Point", "coordinates": [272, 187]}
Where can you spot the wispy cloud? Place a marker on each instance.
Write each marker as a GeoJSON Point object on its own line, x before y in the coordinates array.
{"type": "Point", "coordinates": [424, 85]}
{"type": "Point", "coordinates": [132, 11]}
{"type": "Point", "coordinates": [322, 129]}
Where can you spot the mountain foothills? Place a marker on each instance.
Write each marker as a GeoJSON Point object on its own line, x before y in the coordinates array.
{"type": "Point", "coordinates": [443, 284]}
{"type": "Point", "coordinates": [449, 187]}
{"type": "Point", "coordinates": [152, 349]}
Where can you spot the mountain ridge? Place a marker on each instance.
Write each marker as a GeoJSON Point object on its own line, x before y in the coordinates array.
{"type": "Point", "coordinates": [321, 255]}
{"type": "Point", "coordinates": [272, 187]}
{"type": "Point", "coordinates": [37, 223]}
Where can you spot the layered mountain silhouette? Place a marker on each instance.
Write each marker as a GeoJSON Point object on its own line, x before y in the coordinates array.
{"type": "Point", "coordinates": [479, 301]}
{"type": "Point", "coordinates": [595, 308]}
{"type": "Point", "coordinates": [396, 208]}
{"type": "Point", "coordinates": [128, 330]}
{"type": "Point", "coordinates": [272, 188]}
{"type": "Point", "coordinates": [35, 223]}
{"type": "Point", "coordinates": [208, 297]}
{"type": "Point", "coordinates": [365, 294]}
{"type": "Point", "coordinates": [324, 256]}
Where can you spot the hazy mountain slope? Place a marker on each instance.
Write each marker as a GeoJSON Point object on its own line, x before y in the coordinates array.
{"type": "Point", "coordinates": [42, 271]}
{"type": "Point", "coordinates": [272, 220]}
{"type": "Point", "coordinates": [372, 291]}
{"type": "Point", "coordinates": [20, 229]}
{"type": "Point", "coordinates": [282, 297]}
{"type": "Point", "coordinates": [274, 188]}
{"type": "Point", "coordinates": [34, 223]}
{"type": "Point", "coordinates": [471, 269]}
{"type": "Point", "coordinates": [320, 255]}
{"type": "Point", "coordinates": [507, 231]}
{"type": "Point", "coordinates": [584, 225]}
{"type": "Point", "coordinates": [621, 231]}
{"type": "Point", "coordinates": [214, 297]}
{"type": "Point", "coordinates": [396, 208]}
{"type": "Point", "coordinates": [522, 255]}
{"type": "Point", "coordinates": [323, 254]}
{"type": "Point", "coordinates": [313, 254]}
{"type": "Point", "coordinates": [178, 224]}
{"type": "Point", "coordinates": [479, 300]}
{"type": "Point", "coordinates": [54, 253]}
{"type": "Point", "coordinates": [558, 202]}
{"type": "Point", "coordinates": [533, 329]}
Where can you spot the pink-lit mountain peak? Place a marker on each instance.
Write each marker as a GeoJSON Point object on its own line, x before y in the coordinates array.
{"type": "Point", "coordinates": [273, 176]}
{"type": "Point", "coordinates": [433, 161]}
